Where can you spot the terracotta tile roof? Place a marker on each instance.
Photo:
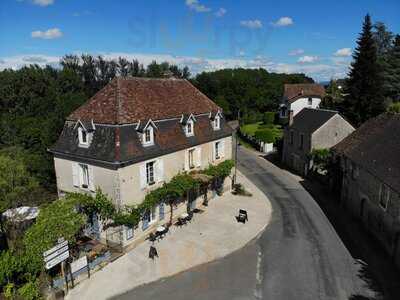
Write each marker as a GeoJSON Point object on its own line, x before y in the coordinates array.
{"type": "Point", "coordinates": [293, 92]}
{"type": "Point", "coordinates": [128, 100]}
{"type": "Point", "coordinates": [375, 146]}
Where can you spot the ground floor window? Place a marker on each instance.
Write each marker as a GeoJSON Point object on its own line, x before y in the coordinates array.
{"type": "Point", "coordinates": [129, 232]}
{"type": "Point", "coordinates": [217, 150]}
{"type": "Point", "coordinates": [148, 217]}
{"type": "Point", "coordinates": [84, 175]}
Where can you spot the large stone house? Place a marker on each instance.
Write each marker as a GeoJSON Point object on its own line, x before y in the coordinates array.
{"type": "Point", "coordinates": [134, 135]}
{"type": "Point", "coordinates": [370, 168]}
{"type": "Point", "coordinates": [299, 96]}
{"type": "Point", "coordinates": [311, 129]}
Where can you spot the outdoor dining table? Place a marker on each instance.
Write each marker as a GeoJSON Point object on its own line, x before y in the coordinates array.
{"type": "Point", "coordinates": [160, 229]}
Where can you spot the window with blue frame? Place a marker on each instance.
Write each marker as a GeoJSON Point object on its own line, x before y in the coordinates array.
{"type": "Point", "coordinates": [129, 232]}
{"type": "Point", "coordinates": [161, 211]}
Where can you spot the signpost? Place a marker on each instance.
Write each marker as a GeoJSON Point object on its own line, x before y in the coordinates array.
{"type": "Point", "coordinates": [79, 264]}
{"type": "Point", "coordinates": [58, 254]}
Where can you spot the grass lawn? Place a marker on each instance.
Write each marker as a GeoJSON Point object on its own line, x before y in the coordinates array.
{"type": "Point", "coordinates": [250, 129]}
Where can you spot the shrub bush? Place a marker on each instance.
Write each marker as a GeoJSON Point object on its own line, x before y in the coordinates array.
{"type": "Point", "coordinates": [394, 108]}
{"type": "Point", "coordinates": [265, 135]}
{"type": "Point", "coordinates": [30, 290]}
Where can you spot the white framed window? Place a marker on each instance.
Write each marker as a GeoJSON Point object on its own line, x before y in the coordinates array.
{"type": "Point", "coordinates": [189, 128]}
{"type": "Point", "coordinates": [384, 196]}
{"type": "Point", "coordinates": [84, 175]}
{"type": "Point", "coordinates": [217, 150]}
{"type": "Point", "coordinates": [217, 122]}
{"type": "Point", "coordinates": [191, 156]}
{"type": "Point", "coordinates": [148, 136]}
{"type": "Point", "coordinates": [150, 175]}
{"type": "Point", "coordinates": [129, 232]}
{"type": "Point", "coordinates": [83, 137]}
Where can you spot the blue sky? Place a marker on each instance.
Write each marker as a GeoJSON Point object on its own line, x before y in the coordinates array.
{"type": "Point", "coordinates": [315, 37]}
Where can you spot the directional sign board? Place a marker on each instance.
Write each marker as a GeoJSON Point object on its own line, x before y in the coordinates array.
{"type": "Point", "coordinates": [55, 248]}
{"type": "Point", "coordinates": [79, 264]}
{"type": "Point", "coordinates": [57, 260]}
{"type": "Point", "coordinates": [57, 254]}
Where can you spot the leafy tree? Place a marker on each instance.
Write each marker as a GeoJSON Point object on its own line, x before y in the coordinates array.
{"type": "Point", "coordinates": [16, 184]}
{"type": "Point", "coordinates": [365, 86]}
{"type": "Point", "coordinates": [253, 92]}
{"type": "Point", "coordinates": [56, 220]}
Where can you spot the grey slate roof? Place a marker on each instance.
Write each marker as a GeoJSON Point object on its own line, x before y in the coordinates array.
{"type": "Point", "coordinates": [115, 146]}
{"type": "Point", "coordinates": [309, 120]}
{"type": "Point", "coordinates": [375, 146]}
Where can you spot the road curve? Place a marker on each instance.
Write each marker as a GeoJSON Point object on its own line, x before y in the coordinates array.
{"type": "Point", "coordinates": [299, 255]}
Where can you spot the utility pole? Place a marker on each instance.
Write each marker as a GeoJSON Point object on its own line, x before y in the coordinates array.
{"type": "Point", "coordinates": [237, 145]}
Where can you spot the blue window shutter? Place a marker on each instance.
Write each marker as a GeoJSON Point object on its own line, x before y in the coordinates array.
{"type": "Point", "coordinates": [161, 208]}
{"type": "Point", "coordinates": [145, 221]}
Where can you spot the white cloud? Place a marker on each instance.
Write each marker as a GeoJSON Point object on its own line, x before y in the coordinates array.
{"type": "Point", "coordinates": [195, 64]}
{"type": "Point", "coordinates": [344, 52]}
{"type": "Point", "coordinates": [252, 24]}
{"type": "Point", "coordinates": [196, 6]}
{"type": "Point", "coordinates": [282, 22]}
{"type": "Point", "coordinates": [53, 33]}
{"type": "Point", "coordinates": [43, 2]}
{"type": "Point", "coordinates": [296, 52]}
{"type": "Point", "coordinates": [307, 59]}
{"type": "Point", "coordinates": [220, 12]}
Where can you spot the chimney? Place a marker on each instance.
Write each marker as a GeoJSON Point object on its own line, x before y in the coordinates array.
{"type": "Point", "coordinates": [290, 118]}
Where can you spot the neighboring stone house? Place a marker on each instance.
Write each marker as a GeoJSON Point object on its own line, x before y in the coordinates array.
{"type": "Point", "coordinates": [311, 129]}
{"type": "Point", "coordinates": [134, 135]}
{"type": "Point", "coordinates": [299, 96]}
{"type": "Point", "coordinates": [370, 167]}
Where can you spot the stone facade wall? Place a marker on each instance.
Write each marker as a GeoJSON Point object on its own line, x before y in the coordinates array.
{"type": "Point", "coordinates": [361, 191]}
{"type": "Point", "coordinates": [123, 187]}
{"type": "Point", "coordinates": [331, 133]}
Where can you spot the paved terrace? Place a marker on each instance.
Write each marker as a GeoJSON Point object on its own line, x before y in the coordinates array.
{"type": "Point", "coordinates": [212, 234]}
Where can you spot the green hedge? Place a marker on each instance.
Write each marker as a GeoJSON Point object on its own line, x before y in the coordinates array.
{"type": "Point", "coordinates": [265, 135]}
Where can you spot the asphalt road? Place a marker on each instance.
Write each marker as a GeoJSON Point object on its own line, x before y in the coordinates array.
{"type": "Point", "coordinates": [299, 255]}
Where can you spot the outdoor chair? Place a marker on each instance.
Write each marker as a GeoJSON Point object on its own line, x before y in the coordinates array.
{"type": "Point", "coordinates": [242, 217]}
{"type": "Point", "coordinates": [189, 217]}
{"type": "Point", "coordinates": [152, 237]}
{"type": "Point", "coordinates": [181, 222]}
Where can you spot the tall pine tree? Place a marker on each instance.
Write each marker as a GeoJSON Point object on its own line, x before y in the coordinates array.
{"type": "Point", "coordinates": [392, 77]}
{"type": "Point", "coordinates": [365, 85]}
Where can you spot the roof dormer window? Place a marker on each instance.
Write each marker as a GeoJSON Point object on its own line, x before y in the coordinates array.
{"type": "Point", "coordinates": [190, 128]}
{"type": "Point", "coordinates": [83, 137]}
{"type": "Point", "coordinates": [187, 122]}
{"type": "Point", "coordinates": [147, 133]}
{"type": "Point", "coordinates": [217, 122]}
{"type": "Point", "coordinates": [148, 136]}
{"type": "Point", "coordinates": [85, 132]}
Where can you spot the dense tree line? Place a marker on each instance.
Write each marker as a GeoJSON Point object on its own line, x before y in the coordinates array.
{"type": "Point", "coordinates": [373, 84]}
{"type": "Point", "coordinates": [34, 102]}
{"type": "Point", "coordinates": [253, 91]}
